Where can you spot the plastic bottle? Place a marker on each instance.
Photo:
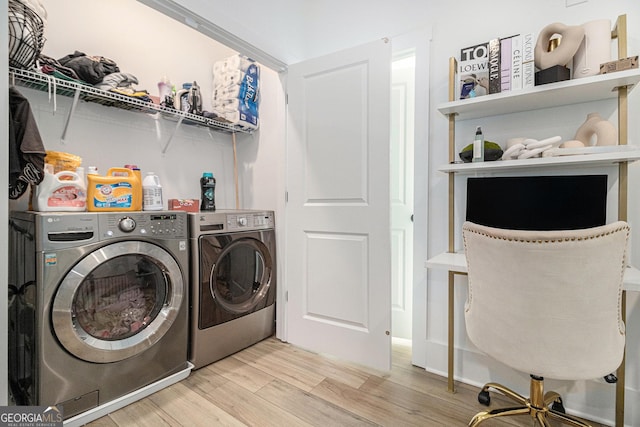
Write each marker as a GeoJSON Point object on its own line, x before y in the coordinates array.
{"type": "Point", "coordinates": [152, 192]}
{"type": "Point", "coordinates": [62, 191]}
{"type": "Point", "coordinates": [119, 190]}
{"type": "Point", "coordinates": [91, 170]}
{"type": "Point", "coordinates": [195, 99]}
{"type": "Point", "coordinates": [478, 146]}
{"type": "Point", "coordinates": [138, 174]}
{"type": "Point", "coordinates": [208, 192]}
{"type": "Point", "coordinates": [164, 90]}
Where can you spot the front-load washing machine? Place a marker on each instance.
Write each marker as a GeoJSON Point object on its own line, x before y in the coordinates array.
{"type": "Point", "coordinates": [98, 305]}
{"type": "Point", "coordinates": [233, 282]}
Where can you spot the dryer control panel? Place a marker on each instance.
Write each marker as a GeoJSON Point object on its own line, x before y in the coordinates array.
{"type": "Point", "coordinates": [250, 221]}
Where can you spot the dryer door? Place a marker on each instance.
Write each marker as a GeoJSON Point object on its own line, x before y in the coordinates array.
{"type": "Point", "coordinates": [117, 301]}
{"type": "Point", "coordinates": [239, 273]}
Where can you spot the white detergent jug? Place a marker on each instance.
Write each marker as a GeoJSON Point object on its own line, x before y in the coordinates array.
{"type": "Point", "coordinates": [151, 193]}
{"type": "Point", "coordinates": [57, 194]}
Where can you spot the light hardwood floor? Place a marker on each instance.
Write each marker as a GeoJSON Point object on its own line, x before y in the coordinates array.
{"type": "Point", "coordinates": [276, 384]}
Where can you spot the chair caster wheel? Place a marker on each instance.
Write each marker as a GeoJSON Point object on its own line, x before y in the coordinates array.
{"type": "Point", "coordinates": [558, 406]}
{"type": "Point", "coordinates": [484, 398]}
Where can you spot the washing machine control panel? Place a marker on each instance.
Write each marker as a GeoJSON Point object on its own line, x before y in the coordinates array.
{"type": "Point", "coordinates": [166, 224]}
{"type": "Point", "coordinates": [127, 224]}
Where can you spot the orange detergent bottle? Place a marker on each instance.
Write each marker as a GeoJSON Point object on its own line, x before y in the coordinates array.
{"type": "Point", "coordinates": [119, 190]}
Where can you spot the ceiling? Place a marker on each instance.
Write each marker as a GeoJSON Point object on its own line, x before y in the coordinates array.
{"type": "Point", "coordinates": [278, 33]}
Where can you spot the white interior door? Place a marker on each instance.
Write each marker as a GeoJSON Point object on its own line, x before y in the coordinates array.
{"type": "Point", "coordinates": [402, 133]}
{"type": "Point", "coordinates": [338, 270]}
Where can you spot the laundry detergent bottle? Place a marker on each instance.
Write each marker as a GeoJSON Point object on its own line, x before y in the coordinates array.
{"type": "Point", "coordinates": [119, 190]}
{"type": "Point", "coordinates": [152, 193]}
{"type": "Point", "coordinates": [64, 192]}
{"type": "Point", "coordinates": [207, 191]}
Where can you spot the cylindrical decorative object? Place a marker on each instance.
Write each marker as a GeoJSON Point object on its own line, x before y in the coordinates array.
{"type": "Point", "coordinates": [594, 50]}
{"type": "Point", "coordinates": [603, 130]}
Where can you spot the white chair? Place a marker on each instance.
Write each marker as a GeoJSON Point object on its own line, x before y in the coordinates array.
{"type": "Point", "coordinates": [547, 303]}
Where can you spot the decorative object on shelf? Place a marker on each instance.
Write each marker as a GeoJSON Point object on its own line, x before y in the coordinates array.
{"type": "Point", "coordinates": [526, 148]}
{"type": "Point", "coordinates": [594, 50]}
{"type": "Point", "coordinates": [557, 73]}
{"type": "Point", "coordinates": [595, 126]}
{"type": "Point", "coordinates": [478, 146]}
{"type": "Point", "coordinates": [572, 144]}
{"type": "Point", "coordinates": [603, 150]}
{"type": "Point", "coordinates": [619, 65]}
{"type": "Point", "coordinates": [473, 71]}
{"type": "Point", "coordinates": [571, 38]}
{"type": "Point", "coordinates": [492, 151]}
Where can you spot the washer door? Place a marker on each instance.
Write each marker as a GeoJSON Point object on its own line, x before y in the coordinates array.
{"type": "Point", "coordinates": [241, 277]}
{"type": "Point", "coordinates": [117, 301]}
{"type": "Point", "coordinates": [239, 272]}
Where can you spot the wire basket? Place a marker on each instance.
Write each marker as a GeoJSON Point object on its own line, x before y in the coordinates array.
{"type": "Point", "coordinates": [26, 35]}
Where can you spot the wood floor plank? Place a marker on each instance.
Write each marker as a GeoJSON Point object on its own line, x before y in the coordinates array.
{"type": "Point", "coordinates": [241, 373]}
{"type": "Point", "coordinates": [310, 408]}
{"type": "Point", "coordinates": [205, 380]}
{"type": "Point", "coordinates": [431, 407]}
{"type": "Point", "coordinates": [250, 409]}
{"type": "Point", "coordinates": [378, 410]}
{"type": "Point", "coordinates": [143, 414]}
{"type": "Point", "coordinates": [280, 367]}
{"type": "Point", "coordinates": [353, 376]}
{"type": "Point", "coordinates": [190, 408]}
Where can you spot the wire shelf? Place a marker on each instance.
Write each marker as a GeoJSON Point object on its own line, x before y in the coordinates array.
{"type": "Point", "coordinates": [46, 83]}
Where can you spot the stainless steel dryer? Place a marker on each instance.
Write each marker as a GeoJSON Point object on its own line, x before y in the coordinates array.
{"type": "Point", "coordinates": [233, 282]}
{"type": "Point", "coordinates": [98, 305]}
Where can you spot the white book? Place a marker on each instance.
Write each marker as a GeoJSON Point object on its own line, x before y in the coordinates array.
{"type": "Point", "coordinates": [516, 62]}
{"type": "Point", "coordinates": [528, 65]}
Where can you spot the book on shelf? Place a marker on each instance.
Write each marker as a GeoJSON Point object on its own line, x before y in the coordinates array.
{"type": "Point", "coordinates": [528, 66]}
{"type": "Point", "coordinates": [473, 71]}
{"type": "Point", "coordinates": [494, 66]}
{"type": "Point", "coordinates": [506, 63]}
{"type": "Point", "coordinates": [516, 62]}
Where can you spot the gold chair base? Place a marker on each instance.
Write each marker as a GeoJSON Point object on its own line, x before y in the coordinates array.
{"type": "Point", "coordinates": [537, 406]}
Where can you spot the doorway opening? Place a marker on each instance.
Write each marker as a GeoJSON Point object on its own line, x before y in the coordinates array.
{"type": "Point", "coordinates": [401, 193]}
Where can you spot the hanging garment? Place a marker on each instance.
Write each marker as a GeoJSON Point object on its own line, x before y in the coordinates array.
{"type": "Point", "coordinates": [26, 150]}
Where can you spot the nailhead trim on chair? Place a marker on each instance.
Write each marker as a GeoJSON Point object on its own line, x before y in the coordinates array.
{"type": "Point", "coordinates": [621, 326]}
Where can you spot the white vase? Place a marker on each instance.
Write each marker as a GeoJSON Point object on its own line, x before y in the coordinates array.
{"type": "Point", "coordinates": [595, 127]}
{"type": "Point", "coordinates": [594, 50]}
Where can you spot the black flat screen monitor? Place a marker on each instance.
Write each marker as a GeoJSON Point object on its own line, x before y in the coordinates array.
{"type": "Point", "coordinates": [566, 202]}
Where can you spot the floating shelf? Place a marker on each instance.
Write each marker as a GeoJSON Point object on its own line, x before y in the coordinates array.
{"type": "Point", "coordinates": [456, 261]}
{"type": "Point", "coordinates": [575, 91]}
{"type": "Point", "coordinates": [623, 153]}
{"type": "Point", "coordinates": [46, 83]}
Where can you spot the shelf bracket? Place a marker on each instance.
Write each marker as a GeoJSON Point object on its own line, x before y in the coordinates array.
{"type": "Point", "coordinates": [76, 97]}
{"type": "Point", "coordinates": [166, 146]}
